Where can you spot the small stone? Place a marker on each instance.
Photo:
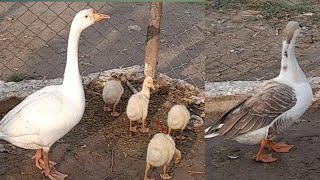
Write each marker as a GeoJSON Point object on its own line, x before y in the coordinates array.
{"type": "Point", "coordinates": [134, 27]}
{"type": "Point", "coordinates": [2, 148]}
{"type": "Point", "coordinates": [233, 157]}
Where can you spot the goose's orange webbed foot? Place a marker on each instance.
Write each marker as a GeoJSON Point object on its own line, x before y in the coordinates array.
{"type": "Point", "coordinates": [263, 157]}
{"type": "Point", "coordinates": [280, 147]}
{"type": "Point", "coordinates": [48, 169]}
{"type": "Point", "coordinates": [266, 158]}
{"type": "Point", "coordinates": [38, 158]}
{"type": "Point", "coordinates": [56, 175]}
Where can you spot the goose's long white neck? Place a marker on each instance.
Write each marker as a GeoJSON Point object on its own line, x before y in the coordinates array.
{"type": "Point", "coordinates": [72, 79]}
{"type": "Point", "coordinates": [290, 69]}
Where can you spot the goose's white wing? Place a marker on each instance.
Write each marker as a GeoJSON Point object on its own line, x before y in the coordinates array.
{"type": "Point", "coordinates": [38, 111]}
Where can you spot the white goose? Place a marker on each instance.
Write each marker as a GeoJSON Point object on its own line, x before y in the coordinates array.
{"type": "Point", "coordinates": [48, 114]}
{"type": "Point", "coordinates": [272, 108]}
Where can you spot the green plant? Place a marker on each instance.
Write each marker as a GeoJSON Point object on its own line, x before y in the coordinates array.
{"type": "Point", "coordinates": [268, 8]}
{"type": "Point", "coordinates": [277, 9]}
{"type": "Point", "coordinates": [19, 77]}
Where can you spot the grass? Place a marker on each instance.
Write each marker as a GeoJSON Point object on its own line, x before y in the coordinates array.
{"type": "Point", "coordinates": [279, 9]}
{"type": "Point", "coordinates": [316, 18]}
{"type": "Point", "coordinates": [268, 8]}
{"type": "Point", "coordinates": [19, 77]}
{"type": "Point", "coordinates": [197, 2]}
{"type": "Point", "coordinates": [230, 4]}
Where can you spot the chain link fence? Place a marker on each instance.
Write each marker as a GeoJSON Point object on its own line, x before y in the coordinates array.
{"type": "Point", "coordinates": [33, 39]}
{"type": "Point", "coordinates": [245, 43]}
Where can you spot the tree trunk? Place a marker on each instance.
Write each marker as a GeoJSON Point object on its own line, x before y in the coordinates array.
{"type": "Point", "coordinates": [152, 47]}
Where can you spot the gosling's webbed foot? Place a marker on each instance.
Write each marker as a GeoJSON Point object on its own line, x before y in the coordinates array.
{"type": "Point", "coordinates": [165, 176]}
{"type": "Point", "coordinates": [115, 114]}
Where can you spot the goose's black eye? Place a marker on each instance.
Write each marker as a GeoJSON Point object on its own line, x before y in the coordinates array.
{"type": "Point", "coordinates": [86, 16]}
{"type": "Point", "coordinates": [300, 26]}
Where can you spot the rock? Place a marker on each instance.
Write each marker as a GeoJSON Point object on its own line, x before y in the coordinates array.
{"type": "Point", "coordinates": [3, 149]}
{"type": "Point", "coordinates": [134, 27]}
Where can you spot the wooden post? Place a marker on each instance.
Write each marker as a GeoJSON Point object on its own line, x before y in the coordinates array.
{"type": "Point", "coordinates": [152, 47]}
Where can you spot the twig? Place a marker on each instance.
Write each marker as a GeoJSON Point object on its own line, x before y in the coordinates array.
{"type": "Point", "coordinates": [42, 80]}
{"type": "Point", "coordinates": [134, 91]}
{"type": "Point", "coordinates": [111, 168]}
{"type": "Point", "coordinates": [93, 92]}
{"type": "Point", "coordinates": [196, 172]}
{"type": "Point", "coordinates": [93, 79]}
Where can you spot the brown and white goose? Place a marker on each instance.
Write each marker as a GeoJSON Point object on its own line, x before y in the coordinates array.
{"type": "Point", "coordinates": [275, 106]}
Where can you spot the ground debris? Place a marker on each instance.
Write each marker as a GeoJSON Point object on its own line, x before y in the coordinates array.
{"type": "Point", "coordinates": [249, 13]}
{"type": "Point", "coordinates": [233, 157]}
{"type": "Point", "coordinates": [3, 149]}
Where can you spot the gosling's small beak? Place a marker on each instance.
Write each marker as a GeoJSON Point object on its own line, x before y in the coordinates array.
{"type": "Point", "coordinates": [153, 88]}
{"type": "Point", "coordinates": [98, 17]}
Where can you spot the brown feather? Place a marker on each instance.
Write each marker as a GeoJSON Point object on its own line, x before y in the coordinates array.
{"type": "Point", "coordinates": [258, 110]}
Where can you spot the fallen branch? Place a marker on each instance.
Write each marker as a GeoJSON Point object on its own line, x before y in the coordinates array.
{"type": "Point", "coordinates": [134, 91]}
{"type": "Point", "coordinates": [111, 168]}
{"type": "Point", "coordinates": [93, 92]}
{"type": "Point", "coordinates": [196, 172]}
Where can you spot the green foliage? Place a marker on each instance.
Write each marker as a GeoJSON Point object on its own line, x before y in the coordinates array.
{"type": "Point", "coordinates": [19, 77]}
{"type": "Point", "coordinates": [268, 8]}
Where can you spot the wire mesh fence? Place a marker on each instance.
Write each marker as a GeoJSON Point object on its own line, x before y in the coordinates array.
{"type": "Point", "coordinates": [244, 44]}
{"type": "Point", "coordinates": [33, 39]}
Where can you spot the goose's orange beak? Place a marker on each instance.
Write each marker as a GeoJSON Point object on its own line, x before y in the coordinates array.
{"type": "Point", "coordinates": [98, 17]}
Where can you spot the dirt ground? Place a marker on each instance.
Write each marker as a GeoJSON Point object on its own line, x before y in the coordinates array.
{"type": "Point", "coordinates": [100, 142]}
{"type": "Point", "coordinates": [302, 162]}
{"type": "Point", "coordinates": [244, 43]}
